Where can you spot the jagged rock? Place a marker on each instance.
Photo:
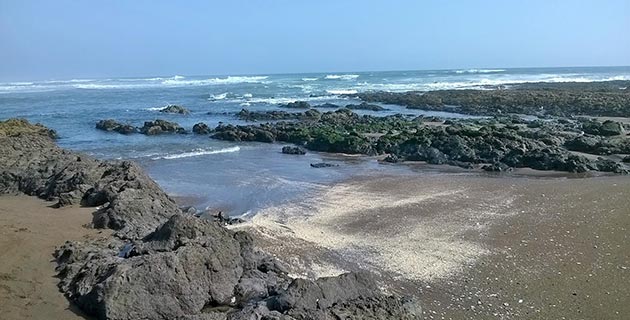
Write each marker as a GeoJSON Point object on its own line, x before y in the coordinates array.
{"type": "Point", "coordinates": [201, 128]}
{"type": "Point", "coordinates": [163, 264]}
{"type": "Point", "coordinates": [131, 202]}
{"type": "Point", "coordinates": [172, 108]}
{"type": "Point", "coordinates": [497, 167]}
{"type": "Point", "coordinates": [323, 165]}
{"type": "Point", "coordinates": [113, 125]}
{"type": "Point", "coordinates": [297, 105]}
{"type": "Point", "coordinates": [17, 127]}
{"type": "Point", "coordinates": [161, 126]}
{"type": "Point", "coordinates": [311, 114]}
{"type": "Point", "coordinates": [365, 106]}
{"type": "Point", "coordinates": [293, 150]}
{"type": "Point", "coordinates": [392, 158]}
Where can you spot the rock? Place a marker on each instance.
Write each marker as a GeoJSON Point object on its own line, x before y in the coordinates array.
{"type": "Point", "coordinates": [606, 128]}
{"type": "Point", "coordinates": [392, 158]}
{"type": "Point", "coordinates": [323, 165]}
{"type": "Point", "coordinates": [130, 202]}
{"type": "Point", "coordinates": [328, 106]}
{"type": "Point", "coordinates": [611, 128]}
{"type": "Point", "coordinates": [365, 106]}
{"type": "Point", "coordinates": [171, 108]}
{"type": "Point", "coordinates": [293, 150]}
{"type": "Point", "coordinates": [247, 115]}
{"type": "Point", "coordinates": [21, 127]}
{"type": "Point", "coordinates": [160, 127]}
{"type": "Point", "coordinates": [112, 125]}
{"type": "Point", "coordinates": [297, 105]}
{"type": "Point", "coordinates": [164, 264]}
{"type": "Point", "coordinates": [201, 128]}
{"type": "Point", "coordinates": [497, 167]}
{"type": "Point", "coordinates": [626, 159]}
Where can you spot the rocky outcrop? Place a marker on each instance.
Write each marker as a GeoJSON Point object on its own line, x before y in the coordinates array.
{"type": "Point", "coordinates": [201, 128]}
{"type": "Point", "coordinates": [311, 114]}
{"type": "Point", "coordinates": [113, 125]}
{"type": "Point", "coordinates": [606, 128]}
{"type": "Point", "coordinates": [558, 101]}
{"type": "Point", "coordinates": [293, 150]}
{"type": "Point", "coordinates": [160, 126]}
{"type": "Point", "coordinates": [296, 105]}
{"type": "Point", "coordinates": [162, 263]}
{"type": "Point", "coordinates": [172, 108]}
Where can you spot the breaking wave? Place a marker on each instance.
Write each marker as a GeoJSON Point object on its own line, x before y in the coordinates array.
{"type": "Point", "coordinates": [342, 91]}
{"type": "Point", "coordinates": [341, 76]}
{"type": "Point", "coordinates": [197, 152]}
{"type": "Point", "coordinates": [480, 71]}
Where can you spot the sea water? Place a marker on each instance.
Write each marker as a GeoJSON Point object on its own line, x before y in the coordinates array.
{"type": "Point", "coordinates": [238, 178]}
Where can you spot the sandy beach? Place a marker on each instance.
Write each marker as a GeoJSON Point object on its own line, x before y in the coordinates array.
{"type": "Point", "coordinates": [471, 246]}
{"type": "Point", "coordinates": [29, 232]}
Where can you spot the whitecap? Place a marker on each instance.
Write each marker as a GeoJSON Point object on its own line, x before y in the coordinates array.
{"type": "Point", "coordinates": [198, 152]}
{"type": "Point", "coordinates": [218, 96]}
{"type": "Point", "coordinates": [341, 76]}
{"type": "Point", "coordinates": [215, 81]}
{"type": "Point", "coordinates": [310, 79]}
{"type": "Point", "coordinates": [339, 92]}
{"type": "Point", "coordinates": [480, 71]}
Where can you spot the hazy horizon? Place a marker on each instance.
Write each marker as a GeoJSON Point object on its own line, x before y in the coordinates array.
{"type": "Point", "coordinates": [68, 40]}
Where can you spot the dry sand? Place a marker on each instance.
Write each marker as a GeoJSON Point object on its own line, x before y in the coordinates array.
{"type": "Point", "coordinates": [471, 246]}
{"type": "Point", "coordinates": [29, 232]}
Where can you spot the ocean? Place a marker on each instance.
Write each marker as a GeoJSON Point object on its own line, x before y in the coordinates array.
{"type": "Point", "coordinates": [239, 178]}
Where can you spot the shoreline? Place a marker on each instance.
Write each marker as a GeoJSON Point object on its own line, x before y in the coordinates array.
{"type": "Point", "coordinates": [461, 239]}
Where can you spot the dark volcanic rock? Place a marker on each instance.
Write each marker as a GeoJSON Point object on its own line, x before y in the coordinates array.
{"type": "Point", "coordinates": [163, 264]}
{"type": "Point", "coordinates": [293, 150]}
{"type": "Point", "coordinates": [497, 167]}
{"type": "Point", "coordinates": [297, 105]}
{"type": "Point", "coordinates": [161, 126]}
{"type": "Point", "coordinates": [112, 125]}
{"type": "Point", "coordinates": [606, 128]}
{"type": "Point", "coordinates": [365, 106]}
{"type": "Point", "coordinates": [201, 128]}
{"type": "Point", "coordinates": [553, 101]}
{"type": "Point", "coordinates": [247, 115]}
{"type": "Point", "coordinates": [171, 108]}
{"type": "Point", "coordinates": [323, 165]}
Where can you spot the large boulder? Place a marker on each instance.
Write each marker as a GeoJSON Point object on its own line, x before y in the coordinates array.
{"type": "Point", "coordinates": [113, 125]}
{"type": "Point", "coordinates": [297, 105]}
{"type": "Point", "coordinates": [161, 126]}
{"type": "Point", "coordinates": [201, 128]}
{"type": "Point", "coordinates": [293, 150]}
{"type": "Point", "coordinates": [172, 108]}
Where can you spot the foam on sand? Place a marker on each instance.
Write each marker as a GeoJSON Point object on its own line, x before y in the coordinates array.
{"type": "Point", "coordinates": [389, 224]}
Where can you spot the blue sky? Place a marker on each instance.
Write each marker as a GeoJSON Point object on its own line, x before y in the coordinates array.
{"type": "Point", "coordinates": [70, 39]}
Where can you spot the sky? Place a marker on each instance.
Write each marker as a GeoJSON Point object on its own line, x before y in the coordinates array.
{"type": "Point", "coordinates": [65, 39]}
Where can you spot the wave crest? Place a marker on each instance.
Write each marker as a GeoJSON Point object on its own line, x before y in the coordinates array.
{"type": "Point", "coordinates": [341, 76]}
{"type": "Point", "coordinates": [197, 152]}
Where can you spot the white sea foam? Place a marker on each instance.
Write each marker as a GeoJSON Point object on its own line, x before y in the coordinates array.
{"type": "Point", "coordinates": [198, 152]}
{"type": "Point", "coordinates": [248, 95]}
{"type": "Point", "coordinates": [338, 92]}
{"type": "Point", "coordinates": [221, 96]}
{"type": "Point", "coordinates": [215, 81]}
{"type": "Point", "coordinates": [480, 71]}
{"type": "Point", "coordinates": [310, 79]}
{"type": "Point", "coordinates": [341, 76]}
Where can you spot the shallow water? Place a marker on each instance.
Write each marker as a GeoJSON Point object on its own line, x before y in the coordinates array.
{"type": "Point", "coordinates": [237, 177]}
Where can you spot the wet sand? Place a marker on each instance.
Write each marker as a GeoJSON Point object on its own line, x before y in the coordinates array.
{"type": "Point", "coordinates": [29, 233]}
{"type": "Point", "coordinates": [471, 246]}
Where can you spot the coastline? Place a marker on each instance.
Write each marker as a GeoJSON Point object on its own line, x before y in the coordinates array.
{"type": "Point", "coordinates": [30, 230]}
{"type": "Point", "coordinates": [471, 246]}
